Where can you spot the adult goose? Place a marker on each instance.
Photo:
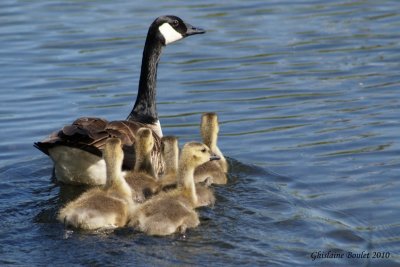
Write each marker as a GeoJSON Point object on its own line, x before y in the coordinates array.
{"type": "Point", "coordinates": [76, 149]}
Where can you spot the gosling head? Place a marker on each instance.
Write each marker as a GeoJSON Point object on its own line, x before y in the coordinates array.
{"type": "Point", "coordinates": [195, 154]}
{"type": "Point", "coordinates": [169, 29]}
{"type": "Point", "coordinates": [209, 126]}
{"type": "Point", "coordinates": [144, 141]}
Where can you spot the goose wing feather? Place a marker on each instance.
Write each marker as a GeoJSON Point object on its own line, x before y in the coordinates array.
{"type": "Point", "coordinates": [90, 134]}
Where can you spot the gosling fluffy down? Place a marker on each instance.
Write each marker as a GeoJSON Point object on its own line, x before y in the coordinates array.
{"type": "Point", "coordinates": [213, 172]}
{"type": "Point", "coordinates": [173, 211]}
{"type": "Point", "coordinates": [107, 207]}
{"type": "Point", "coordinates": [142, 179]}
{"type": "Point", "coordinates": [170, 154]}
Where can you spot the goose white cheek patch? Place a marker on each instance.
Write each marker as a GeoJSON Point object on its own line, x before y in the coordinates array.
{"type": "Point", "coordinates": [169, 33]}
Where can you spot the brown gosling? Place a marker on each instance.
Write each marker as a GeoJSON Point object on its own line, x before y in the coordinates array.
{"type": "Point", "coordinates": [107, 207]}
{"type": "Point", "coordinates": [142, 179]}
{"type": "Point", "coordinates": [173, 211]}
{"type": "Point", "coordinates": [170, 154]}
{"type": "Point", "coordinates": [212, 172]}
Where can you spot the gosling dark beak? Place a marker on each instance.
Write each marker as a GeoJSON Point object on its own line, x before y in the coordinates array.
{"type": "Point", "coordinates": [191, 30]}
{"type": "Point", "coordinates": [214, 157]}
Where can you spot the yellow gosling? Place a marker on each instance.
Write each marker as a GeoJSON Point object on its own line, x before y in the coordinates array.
{"type": "Point", "coordinates": [212, 172]}
{"type": "Point", "coordinates": [173, 211]}
{"type": "Point", "coordinates": [107, 207]}
{"type": "Point", "coordinates": [142, 179]}
{"type": "Point", "coordinates": [170, 154]}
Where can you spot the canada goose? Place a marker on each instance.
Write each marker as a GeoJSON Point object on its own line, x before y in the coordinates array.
{"type": "Point", "coordinates": [212, 171]}
{"type": "Point", "coordinates": [143, 178]}
{"type": "Point", "coordinates": [173, 211]}
{"type": "Point", "coordinates": [76, 149]}
{"type": "Point", "coordinates": [170, 154]}
{"type": "Point", "coordinates": [107, 207]}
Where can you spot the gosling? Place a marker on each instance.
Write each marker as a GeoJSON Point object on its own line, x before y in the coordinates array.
{"type": "Point", "coordinates": [108, 207]}
{"type": "Point", "coordinates": [173, 211]}
{"type": "Point", "coordinates": [142, 179]}
{"type": "Point", "coordinates": [170, 154]}
{"type": "Point", "coordinates": [211, 172]}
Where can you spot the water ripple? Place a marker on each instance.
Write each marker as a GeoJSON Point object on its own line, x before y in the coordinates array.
{"type": "Point", "coordinates": [307, 96]}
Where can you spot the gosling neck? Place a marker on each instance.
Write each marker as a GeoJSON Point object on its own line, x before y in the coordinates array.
{"type": "Point", "coordinates": [112, 171]}
{"type": "Point", "coordinates": [170, 167]}
{"type": "Point", "coordinates": [145, 110]}
{"type": "Point", "coordinates": [115, 183]}
{"type": "Point", "coordinates": [186, 180]}
{"type": "Point", "coordinates": [143, 163]}
{"type": "Point", "coordinates": [210, 139]}
{"type": "Point", "coordinates": [171, 163]}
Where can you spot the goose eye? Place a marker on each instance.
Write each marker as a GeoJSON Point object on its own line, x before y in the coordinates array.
{"type": "Point", "coordinates": [175, 23]}
{"type": "Point", "coordinates": [203, 150]}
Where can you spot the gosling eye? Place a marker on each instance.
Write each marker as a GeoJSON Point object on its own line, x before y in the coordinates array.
{"type": "Point", "coordinates": [175, 23]}
{"type": "Point", "coordinates": [204, 150]}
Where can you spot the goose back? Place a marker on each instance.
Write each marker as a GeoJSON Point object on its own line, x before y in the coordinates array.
{"type": "Point", "coordinates": [87, 136]}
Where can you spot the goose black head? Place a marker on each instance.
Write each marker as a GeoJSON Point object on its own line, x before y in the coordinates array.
{"type": "Point", "coordinates": [172, 28]}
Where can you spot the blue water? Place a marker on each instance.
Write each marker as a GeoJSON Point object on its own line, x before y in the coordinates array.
{"type": "Point", "coordinates": [308, 97]}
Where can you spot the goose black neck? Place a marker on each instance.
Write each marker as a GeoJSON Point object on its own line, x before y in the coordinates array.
{"type": "Point", "coordinates": [145, 110]}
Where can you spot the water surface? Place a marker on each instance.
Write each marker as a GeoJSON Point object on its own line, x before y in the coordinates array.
{"type": "Point", "coordinates": [307, 95]}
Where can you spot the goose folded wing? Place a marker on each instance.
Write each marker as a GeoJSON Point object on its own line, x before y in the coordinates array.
{"type": "Point", "coordinates": [85, 133]}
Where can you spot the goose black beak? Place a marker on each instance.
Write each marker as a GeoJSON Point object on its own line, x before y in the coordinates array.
{"type": "Point", "coordinates": [214, 157]}
{"type": "Point", "coordinates": [191, 30]}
